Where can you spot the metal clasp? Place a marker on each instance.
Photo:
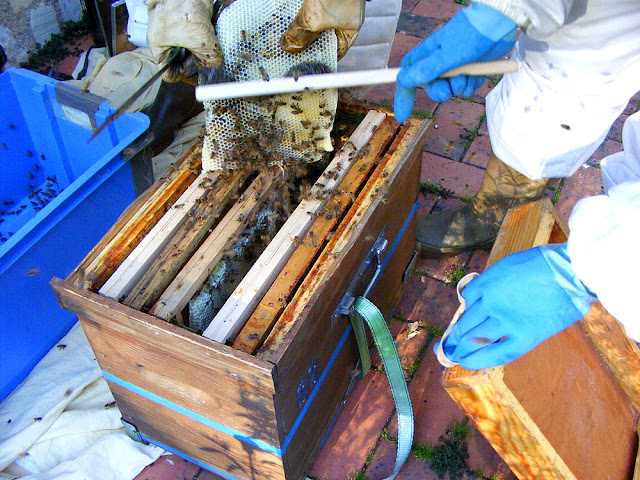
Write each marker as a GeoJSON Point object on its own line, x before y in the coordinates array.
{"type": "Point", "coordinates": [374, 255]}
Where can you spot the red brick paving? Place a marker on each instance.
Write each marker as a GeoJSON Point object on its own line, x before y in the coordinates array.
{"type": "Point", "coordinates": [462, 179]}
{"type": "Point", "coordinates": [442, 9]}
{"type": "Point", "coordinates": [453, 120]}
{"type": "Point", "coordinates": [479, 151]}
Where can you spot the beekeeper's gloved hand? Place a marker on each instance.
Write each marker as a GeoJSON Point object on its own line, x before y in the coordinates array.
{"type": "Point", "coordinates": [186, 24]}
{"type": "Point", "coordinates": [517, 303]}
{"type": "Point", "coordinates": [316, 16]}
{"type": "Point", "coordinates": [476, 33]}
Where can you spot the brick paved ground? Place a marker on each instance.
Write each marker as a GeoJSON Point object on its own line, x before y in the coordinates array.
{"type": "Point", "coordinates": [453, 164]}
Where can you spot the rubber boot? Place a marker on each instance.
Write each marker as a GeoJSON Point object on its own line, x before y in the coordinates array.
{"type": "Point", "coordinates": [476, 225]}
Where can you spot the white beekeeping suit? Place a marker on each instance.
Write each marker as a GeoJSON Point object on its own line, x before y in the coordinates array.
{"type": "Point", "coordinates": [579, 65]}
{"type": "Point", "coordinates": [605, 233]}
{"type": "Point", "coordinates": [370, 50]}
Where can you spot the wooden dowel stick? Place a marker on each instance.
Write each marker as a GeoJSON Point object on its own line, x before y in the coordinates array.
{"type": "Point", "coordinates": [359, 78]}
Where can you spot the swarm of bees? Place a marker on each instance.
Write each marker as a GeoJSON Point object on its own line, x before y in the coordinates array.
{"type": "Point", "coordinates": [42, 190]}
{"type": "Point", "coordinates": [276, 130]}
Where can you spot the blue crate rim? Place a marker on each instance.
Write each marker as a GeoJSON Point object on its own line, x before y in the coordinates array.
{"type": "Point", "coordinates": [54, 212]}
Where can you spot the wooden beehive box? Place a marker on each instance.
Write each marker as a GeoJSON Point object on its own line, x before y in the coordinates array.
{"type": "Point", "coordinates": [569, 408]}
{"type": "Point", "coordinates": [246, 415]}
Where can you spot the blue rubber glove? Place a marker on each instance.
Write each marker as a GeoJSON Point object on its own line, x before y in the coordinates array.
{"type": "Point", "coordinates": [476, 33]}
{"type": "Point", "coordinates": [517, 303]}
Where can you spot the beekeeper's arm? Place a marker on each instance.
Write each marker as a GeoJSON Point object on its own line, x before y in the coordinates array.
{"type": "Point", "coordinates": [481, 32]}
{"type": "Point", "coordinates": [529, 296]}
{"type": "Point", "coordinates": [186, 24]}
{"type": "Point", "coordinates": [316, 16]}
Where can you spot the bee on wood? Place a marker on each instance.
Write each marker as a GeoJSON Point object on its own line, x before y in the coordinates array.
{"type": "Point", "coordinates": [296, 241]}
{"type": "Point", "coordinates": [283, 303]}
{"type": "Point", "coordinates": [179, 205]}
{"type": "Point", "coordinates": [295, 109]}
{"type": "Point", "coordinates": [263, 73]}
{"type": "Point", "coordinates": [314, 239]}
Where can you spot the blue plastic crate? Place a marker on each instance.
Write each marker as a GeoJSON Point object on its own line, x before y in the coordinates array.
{"type": "Point", "coordinates": [59, 195]}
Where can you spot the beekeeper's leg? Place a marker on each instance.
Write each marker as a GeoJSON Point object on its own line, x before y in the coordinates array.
{"type": "Point", "coordinates": [547, 119]}
{"type": "Point", "coordinates": [476, 225]}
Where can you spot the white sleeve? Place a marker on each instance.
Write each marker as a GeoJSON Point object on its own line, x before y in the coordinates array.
{"type": "Point", "coordinates": [538, 18]}
{"type": "Point", "coordinates": [603, 247]}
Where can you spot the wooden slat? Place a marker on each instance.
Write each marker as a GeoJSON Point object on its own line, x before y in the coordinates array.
{"type": "Point", "coordinates": [542, 411]}
{"type": "Point", "coordinates": [204, 444]}
{"type": "Point", "coordinates": [403, 147]}
{"type": "Point", "coordinates": [235, 312]}
{"type": "Point", "coordinates": [200, 265]}
{"type": "Point", "coordinates": [186, 240]}
{"type": "Point", "coordinates": [306, 333]}
{"type": "Point", "coordinates": [137, 220]}
{"type": "Point", "coordinates": [135, 265]}
{"type": "Point", "coordinates": [274, 301]}
{"type": "Point", "coordinates": [619, 351]}
{"type": "Point", "coordinates": [213, 380]}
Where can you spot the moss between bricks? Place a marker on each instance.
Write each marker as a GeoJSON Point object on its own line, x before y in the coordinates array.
{"type": "Point", "coordinates": [54, 49]}
{"type": "Point", "coordinates": [455, 274]}
{"type": "Point", "coordinates": [449, 457]}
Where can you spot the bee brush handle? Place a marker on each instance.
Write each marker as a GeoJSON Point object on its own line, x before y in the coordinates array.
{"type": "Point", "coordinates": [358, 78]}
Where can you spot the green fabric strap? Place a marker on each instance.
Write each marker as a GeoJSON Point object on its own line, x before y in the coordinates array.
{"type": "Point", "coordinates": [364, 309]}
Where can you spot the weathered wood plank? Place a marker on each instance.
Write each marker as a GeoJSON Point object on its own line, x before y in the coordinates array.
{"type": "Point", "coordinates": [137, 220]}
{"type": "Point", "coordinates": [619, 351]}
{"type": "Point", "coordinates": [135, 265]}
{"type": "Point", "coordinates": [274, 301]}
{"type": "Point", "coordinates": [202, 443]}
{"type": "Point", "coordinates": [186, 240]}
{"type": "Point", "coordinates": [376, 192]}
{"type": "Point", "coordinates": [205, 377]}
{"type": "Point", "coordinates": [542, 411]}
{"type": "Point", "coordinates": [306, 333]}
{"type": "Point", "coordinates": [235, 312]}
{"type": "Point", "coordinates": [200, 265]}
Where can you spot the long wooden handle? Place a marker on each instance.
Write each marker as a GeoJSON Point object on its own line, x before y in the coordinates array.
{"type": "Point", "coordinates": [357, 78]}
